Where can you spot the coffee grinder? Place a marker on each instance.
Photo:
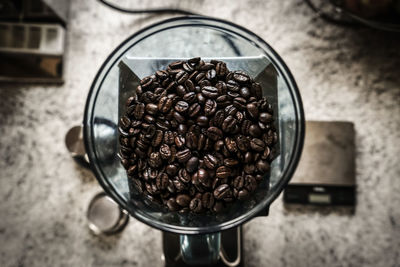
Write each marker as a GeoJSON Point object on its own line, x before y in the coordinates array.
{"type": "Point", "coordinates": [192, 239]}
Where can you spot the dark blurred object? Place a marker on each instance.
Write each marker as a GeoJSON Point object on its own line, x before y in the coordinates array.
{"type": "Point", "coordinates": [378, 14]}
{"type": "Point", "coordinates": [32, 39]}
{"type": "Point", "coordinates": [326, 171]}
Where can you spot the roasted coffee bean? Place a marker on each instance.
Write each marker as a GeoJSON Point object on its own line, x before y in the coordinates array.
{"type": "Point", "coordinates": [165, 104]}
{"type": "Point", "coordinates": [190, 97]}
{"type": "Point", "coordinates": [255, 130]}
{"type": "Point", "coordinates": [181, 106]}
{"type": "Point", "coordinates": [238, 182]}
{"type": "Point", "coordinates": [165, 151]}
{"type": "Point", "coordinates": [139, 111]}
{"type": "Point", "coordinates": [155, 160]}
{"type": "Point", "coordinates": [230, 162]}
{"type": "Point", "coordinates": [210, 107]}
{"type": "Point", "coordinates": [206, 66]}
{"type": "Point", "coordinates": [223, 172]}
{"type": "Point", "coordinates": [239, 103]}
{"type": "Point", "coordinates": [229, 124]}
{"type": "Point", "coordinates": [194, 109]}
{"type": "Point", "coordinates": [219, 118]}
{"type": "Point", "coordinates": [222, 191]}
{"type": "Point", "coordinates": [201, 142]}
{"type": "Point", "coordinates": [169, 137]}
{"type": "Point", "coordinates": [257, 144]}
{"type": "Point", "coordinates": [262, 166]}
{"type": "Point", "coordinates": [214, 133]}
{"type": "Point", "coordinates": [250, 183]}
{"type": "Point", "coordinates": [207, 200]}
{"type": "Point", "coordinates": [209, 91]}
{"type": "Point", "coordinates": [211, 74]}
{"type": "Point", "coordinates": [192, 164]}
{"type": "Point", "coordinates": [265, 117]}
{"type": "Point", "coordinates": [172, 205]}
{"type": "Point", "coordinates": [218, 145]}
{"type": "Point", "coordinates": [125, 122]}
{"type": "Point", "coordinates": [248, 157]}
{"type": "Point", "coordinates": [183, 155]}
{"type": "Point", "coordinates": [181, 77]}
{"type": "Point", "coordinates": [252, 109]}
{"type": "Point", "coordinates": [151, 108]}
{"type": "Point", "coordinates": [243, 194]}
{"type": "Point", "coordinates": [245, 92]}
{"type": "Point", "coordinates": [231, 145]}
{"type": "Point", "coordinates": [202, 121]}
{"type": "Point", "coordinates": [184, 176]}
{"type": "Point", "coordinates": [191, 140]}
{"type": "Point", "coordinates": [171, 170]}
{"type": "Point", "coordinates": [162, 181]}
{"type": "Point", "coordinates": [256, 90]}
{"type": "Point", "coordinates": [241, 77]}
{"type": "Point", "coordinates": [230, 110]}
{"type": "Point", "coordinates": [157, 138]}
{"type": "Point", "coordinates": [266, 153]}
{"type": "Point", "coordinates": [182, 129]}
{"type": "Point", "coordinates": [180, 141]}
{"type": "Point", "coordinates": [210, 161]}
{"type": "Point", "coordinates": [183, 200]}
{"type": "Point", "coordinates": [195, 205]}
{"type": "Point", "coordinates": [249, 168]}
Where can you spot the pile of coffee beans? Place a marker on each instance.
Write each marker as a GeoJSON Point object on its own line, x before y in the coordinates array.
{"type": "Point", "coordinates": [197, 136]}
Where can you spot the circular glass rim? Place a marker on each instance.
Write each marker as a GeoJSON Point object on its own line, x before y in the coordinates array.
{"type": "Point", "coordinates": [190, 21]}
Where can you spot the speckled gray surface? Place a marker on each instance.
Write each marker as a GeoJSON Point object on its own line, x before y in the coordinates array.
{"type": "Point", "coordinates": [342, 74]}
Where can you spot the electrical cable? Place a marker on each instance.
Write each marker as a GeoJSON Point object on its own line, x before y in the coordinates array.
{"type": "Point", "coordinates": [150, 10]}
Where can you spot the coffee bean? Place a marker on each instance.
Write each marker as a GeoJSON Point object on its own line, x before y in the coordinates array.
{"type": "Point", "coordinates": [223, 172]}
{"type": "Point", "coordinates": [181, 77]}
{"type": "Point", "coordinates": [183, 200]}
{"type": "Point", "coordinates": [257, 144]}
{"type": "Point", "coordinates": [172, 205]}
{"type": "Point", "coordinates": [248, 157]}
{"type": "Point", "coordinates": [219, 118]}
{"type": "Point", "coordinates": [181, 106]}
{"type": "Point", "coordinates": [179, 185]}
{"type": "Point", "coordinates": [265, 117]}
{"type": "Point", "coordinates": [230, 162]}
{"type": "Point", "coordinates": [195, 205]}
{"type": "Point", "coordinates": [125, 122]}
{"type": "Point", "coordinates": [250, 183]}
{"type": "Point", "coordinates": [255, 130]}
{"type": "Point", "coordinates": [157, 138]}
{"type": "Point", "coordinates": [222, 191]}
{"type": "Point", "coordinates": [191, 140]}
{"type": "Point", "coordinates": [171, 169]}
{"type": "Point", "coordinates": [209, 91]}
{"type": "Point", "coordinates": [155, 160]}
{"type": "Point", "coordinates": [252, 110]}
{"type": "Point", "coordinates": [262, 166]}
{"type": "Point", "coordinates": [164, 105]}
{"type": "Point", "coordinates": [194, 109]}
{"type": "Point", "coordinates": [184, 176]}
{"type": "Point", "coordinates": [190, 97]}
{"type": "Point", "coordinates": [162, 181]}
{"type": "Point", "coordinates": [183, 155]}
{"type": "Point", "coordinates": [210, 107]}
{"type": "Point", "coordinates": [241, 77]}
{"type": "Point", "coordinates": [214, 133]}
{"type": "Point", "coordinates": [243, 194]}
{"type": "Point", "coordinates": [169, 137]}
{"type": "Point", "coordinates": [201, 142]}
{"type": "Point", "coordinates": [179, 141]}
{"type": "Point", "coordinates": [256, 90]}
{"type": "Point", "coordinates": [229, 124]}
{"type": "Point", "coordinates": [192, 164]}
{"type": "Point", "coordinates": [210, 161]}
{"type": "Point", "coordinates": [165, 152]}
{"type": "Point", "coordinates": [249, 168]}
{"type": "Point", "coordinates": [151, 108]}
{"type": "Point", "coordinates": [231, 145]}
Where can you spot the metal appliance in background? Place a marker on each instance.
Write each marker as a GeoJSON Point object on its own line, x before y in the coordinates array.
{"type": "Point", "coordinates": [32, 40]}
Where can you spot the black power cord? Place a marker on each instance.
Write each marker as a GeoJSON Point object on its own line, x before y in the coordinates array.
{"type": "Point", "coordinates": [150, 10]}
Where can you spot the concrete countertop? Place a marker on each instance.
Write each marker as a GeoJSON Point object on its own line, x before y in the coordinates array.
{"type": "Point", "coordinates": [343, 74]}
